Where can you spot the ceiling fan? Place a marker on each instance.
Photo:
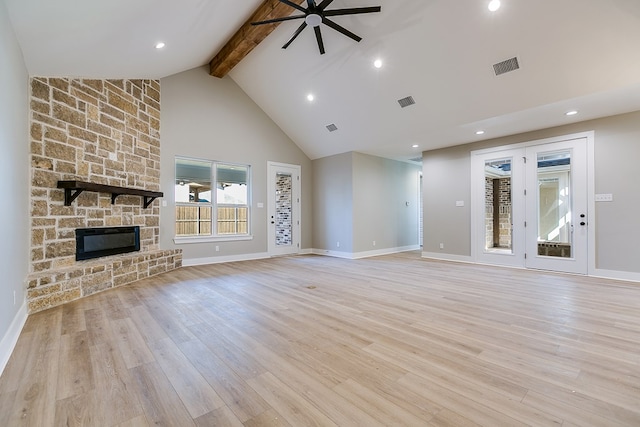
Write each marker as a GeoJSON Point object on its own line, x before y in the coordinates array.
{"type": "Point", "coordinates": [314, 15]}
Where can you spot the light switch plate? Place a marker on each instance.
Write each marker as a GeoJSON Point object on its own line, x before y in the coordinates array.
{"type": "Point", "coordinates": [459, 203]}
{"type": "Point", "coordinates": [604, 197]}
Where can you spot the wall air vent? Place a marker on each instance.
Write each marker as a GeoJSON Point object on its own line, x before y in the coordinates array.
{"type": "Point", "coordinates": [506, 66]}
{"type": "Point", "coordinates": [332, 127]}
{"type": "Point", "coordinates": [405, 102]}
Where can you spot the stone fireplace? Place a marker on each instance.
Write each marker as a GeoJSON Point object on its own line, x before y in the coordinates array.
{"type": "Point", "coordinates": [98, 131]}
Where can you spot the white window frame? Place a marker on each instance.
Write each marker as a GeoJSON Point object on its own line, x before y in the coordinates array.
{"type": "Point", "coordinates": [214, 236]}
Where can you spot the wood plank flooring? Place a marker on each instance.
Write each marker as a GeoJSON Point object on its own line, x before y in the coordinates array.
{"type": "Point", "coordinates": [316, 341]}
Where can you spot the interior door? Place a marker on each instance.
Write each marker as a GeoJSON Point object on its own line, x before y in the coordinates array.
{"type": "Point", "coordinates": [283, 209]}
{"type": "Point", "coordinates": [556, 196]}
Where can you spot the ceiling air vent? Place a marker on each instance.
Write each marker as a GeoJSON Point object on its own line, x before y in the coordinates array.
{"type": "Point", "coordinates": [416, 159]}
{"type": "Point", "coordinates": [506, 66]}
{"type": "Point", "coordinates": [405, 102]}
{"type": "Point", "coordinates": [332, 127]}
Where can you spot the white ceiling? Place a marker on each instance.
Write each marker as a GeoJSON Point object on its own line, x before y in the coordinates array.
{"type": "Point", "coordinates": [573, 54]}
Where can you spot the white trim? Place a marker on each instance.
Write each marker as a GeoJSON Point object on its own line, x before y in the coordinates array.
{"type": "Point", "coordinates": [616, 275]}
{"type": "Point", "coordinates": [10, 339]}
{"type": "Point", "coordinates": [560, 138]}
{"type": "Point", "coordinates": [209, 239]}
{"type": "Point", "coordinates": [591, 208]}
{"type": "Point", "coordinates": [365, 254]}
{"type": "Point", "coordinates": [450, 257]}
{"type": "Point", "coordinates": [335, 254]}
{"type": "Point", "coordinates": [220, 259]}
{"type": "Point", "coordinates": [296, 172]}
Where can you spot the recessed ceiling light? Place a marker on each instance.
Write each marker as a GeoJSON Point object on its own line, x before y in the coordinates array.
{"type": "Point", "coordinates": [310, 97]}
{"type": "Point", "coordinates": [480, 132]}
{"type": "Point", "coordinates": [160, 45]}
{"type": "Point", "coordinates": [377, 63]}
{"type": "Point", "coordinates": [494, 5]}
{"type": "Point", "coordinates": [571, 113]}
{"type": "Point", "coordinates": [415, 146]}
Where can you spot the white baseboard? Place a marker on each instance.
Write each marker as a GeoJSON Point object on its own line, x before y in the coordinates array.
{"type": "Point", "coordinates": [10, 339]}
{"type": "Point", "coordinates": [616, 275]}
{"type": "Point", "coordinates": [221, 259]}
{"type": "Point", "coordinates": [365, 254]}
{"type": "Point", "coordinates": [335, 254]}
{"type": "Point", "coordinates": [448, 257]}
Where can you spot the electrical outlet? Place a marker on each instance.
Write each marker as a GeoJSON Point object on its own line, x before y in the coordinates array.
{"type": "Point", "coordinates": [217, 248]}
{"type": "Point", "coordinates": [337, 244]}
{"type": "Point", "coordinates": [374, 243]}
{"type": "Point", "coordinates": [441, 245]}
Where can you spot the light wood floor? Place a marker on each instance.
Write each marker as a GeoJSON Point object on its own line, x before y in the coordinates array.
{"type": "Point", "coordinates": [314, 341]}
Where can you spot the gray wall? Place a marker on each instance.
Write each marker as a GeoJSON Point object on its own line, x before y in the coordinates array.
{"type": "Point", "coordinates": [14, 176]}
{"type": "Point", "coordinates": [333, 203]}
{"type": "Point", "coordinates": [211, 118]}
{"type": "Point", "coordinates": [382, 188]}
{"type": "Point", "coordinates": [617, 156]}
{"type": "Point", "coordinates": [360, 199]}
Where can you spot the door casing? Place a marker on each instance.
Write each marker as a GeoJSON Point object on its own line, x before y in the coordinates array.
{"type": "Point", "coordinates": [518, 152]}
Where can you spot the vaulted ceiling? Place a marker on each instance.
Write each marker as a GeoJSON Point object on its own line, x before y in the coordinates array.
{"type": "Point", "coordinates": [573, 55]}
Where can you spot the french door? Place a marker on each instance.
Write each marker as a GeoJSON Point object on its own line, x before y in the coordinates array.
{"type": "Point", "coordinates": [283, 200]}
{"type": "Point", "coordinates": [530, 208]}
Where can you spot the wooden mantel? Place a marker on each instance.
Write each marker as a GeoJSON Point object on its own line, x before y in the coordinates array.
{"type": "Point", "coordinates": [249, 36]}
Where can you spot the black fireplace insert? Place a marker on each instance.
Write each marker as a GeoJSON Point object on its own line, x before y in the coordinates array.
{"type": "Point", "coordinates": [104, 241]}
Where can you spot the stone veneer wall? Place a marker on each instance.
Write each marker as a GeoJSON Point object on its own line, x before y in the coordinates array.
{"type": "Point", "coordinates": [102, 131]}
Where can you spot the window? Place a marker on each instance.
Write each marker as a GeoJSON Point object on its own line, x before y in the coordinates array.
{"type": "Point", "coordinates": [212, 199]}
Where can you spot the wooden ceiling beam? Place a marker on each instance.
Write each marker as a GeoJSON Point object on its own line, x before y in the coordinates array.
{"type": "Point", "coordinates": [249, 36]}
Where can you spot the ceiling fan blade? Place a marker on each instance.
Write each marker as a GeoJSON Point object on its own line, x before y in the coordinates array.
{"type": "Point", "coordinates": [311, 3]}
{"type": "Point", "coordinates": [324, 4]}
{"type": "Point", "coordinates": [296, 34]}
{"type": "Point", "coordinates": [319, 39]}
{"type": "Point", "coordinates": [293, 5]}
{"type": "Point", "coordinates": [272, 21]}
{"type": "Point", "coordinates": [352, 11]}
{"type": "Point", "coordinates": [340, 29]}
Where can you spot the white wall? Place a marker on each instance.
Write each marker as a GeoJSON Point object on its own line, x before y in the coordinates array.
{"type": "Point", "coordinates": [14, 186]}
{"type": "Point", "coordinates": [617, 155]}
{"type": "Point", "coordinates": [210, 118]}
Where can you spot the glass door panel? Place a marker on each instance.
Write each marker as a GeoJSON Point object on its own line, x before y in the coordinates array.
{"type": "Point", "coordinates": [498, 206]}
{"type": "Point", "coordinates": [283, 209]}
{"type": "Point", "coordinates": [554, 204]}
{"type": "Point", "coordinates": [283, 218]}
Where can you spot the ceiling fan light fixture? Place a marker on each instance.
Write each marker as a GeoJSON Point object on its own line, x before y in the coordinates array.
{"type": "Point", "coordinates": [313, 20]}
